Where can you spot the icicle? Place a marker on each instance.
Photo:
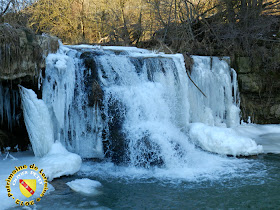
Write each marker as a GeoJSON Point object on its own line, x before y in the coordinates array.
{"type": "Point", "coordinates": [38, 122]}
{"type": "Point", "coordinates": [147, 108]}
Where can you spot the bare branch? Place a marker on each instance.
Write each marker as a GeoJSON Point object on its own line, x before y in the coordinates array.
{"type": "Point", "coordinates": [6, 8]}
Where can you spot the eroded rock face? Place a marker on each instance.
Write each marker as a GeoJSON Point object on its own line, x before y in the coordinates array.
{"type": "Point", "coordinates": [259, 91]}
{"type": "Point", "coordinates": [22, 52]}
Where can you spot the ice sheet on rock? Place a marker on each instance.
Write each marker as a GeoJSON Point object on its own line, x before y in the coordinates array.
{"type": "Point", "coordinates": [85, 186]}
{"type": "Point", "coordinates": [222, 140]}
{"type": "Point", "coordinates": [59, 162]}
{"type": "Point", "coordinates": [78, 126]}
{"type": "Point", "coordinates": [270, 142]}
{"type": "Point", "coordinates": [255, 130]}
{"type": "Point", "coordinates": [60, 74]}
{"type": "Point", "coordinates": [218, 82]}
{"type": "Point", "coordinates": [37, 121]}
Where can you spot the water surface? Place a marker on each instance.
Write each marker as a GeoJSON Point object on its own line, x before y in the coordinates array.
{"type": "Point", "coordinates": [255, 188]}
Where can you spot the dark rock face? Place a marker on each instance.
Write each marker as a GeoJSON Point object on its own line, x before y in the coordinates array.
{"type": "Point", "coordinates": [22, 56]}
{"type": "Point", "coordinates": [115, 146]}
{"type": "Point", "coordinates": [95, 92]}
{"type": "Point", "coordinates": [259, 91]}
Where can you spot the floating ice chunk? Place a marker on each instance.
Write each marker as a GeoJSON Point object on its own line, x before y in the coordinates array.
{"type": "Point", "coordinates": [38, 122]}
{"type": "Point", "coordinates": [59, 162]}
{"type": "Point", "coordinates": [224, 141]}
{"type": "Point", "coordinates": [85, 186]}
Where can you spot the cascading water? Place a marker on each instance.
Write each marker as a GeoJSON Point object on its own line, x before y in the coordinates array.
{"type": "Point", "coordinates": [139, 107]}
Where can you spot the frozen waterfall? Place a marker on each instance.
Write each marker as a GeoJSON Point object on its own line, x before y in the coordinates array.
{"type": "Point", "coordinates": [139, 107]}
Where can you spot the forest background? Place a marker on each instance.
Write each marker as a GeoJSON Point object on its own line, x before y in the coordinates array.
{"type": "Point", "coordinates": [248, 28]}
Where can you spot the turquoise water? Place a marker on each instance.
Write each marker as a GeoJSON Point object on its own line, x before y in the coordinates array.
{"type": "Point", "coordinates": [257, 188]}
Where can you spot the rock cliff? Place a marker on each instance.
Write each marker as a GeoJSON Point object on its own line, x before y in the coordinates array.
{"type": "Point", "coordinates": [22, 56]}
{"type": "Point", "coordinates": [22, 52]}
{"type": "Point", "coordinates": [259, 88]}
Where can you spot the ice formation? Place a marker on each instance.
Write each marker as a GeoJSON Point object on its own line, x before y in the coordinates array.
{"type": "Point", "coordinates": [222, 140]}
{"type": "Point", "coordinates": [59, 162]}
{"type": "Point", "coordinates": [148, 105]}
{"type": "Point", "coordinates": [77, 125]}
{"type": "Point", "coordinates": [37, 121]}
{"type": "Point", "coordinates": [85, 186]}
{"type": "Point", "coordinates": [218, 81]}
{"type": "Point", "coordinates": [56, 160]}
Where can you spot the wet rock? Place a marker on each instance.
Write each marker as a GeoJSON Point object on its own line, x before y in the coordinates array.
{"type": "Point", "coordinates": [250, 83]}
{"type": "Point", "coordinates": [275, 110]}
{"type": "Point", "coordinates": [95, 92]}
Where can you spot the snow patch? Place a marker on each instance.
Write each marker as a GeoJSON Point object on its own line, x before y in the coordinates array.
{"type": "Point", "coordinates": [225, 141]}
{"type": "Point", "coordinates": [59, 162]}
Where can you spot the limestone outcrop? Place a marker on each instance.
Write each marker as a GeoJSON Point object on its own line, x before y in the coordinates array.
{"type": "Point", "coordinates": [22, 52]}
{"type": "Point", "coordinates": [259, 88]}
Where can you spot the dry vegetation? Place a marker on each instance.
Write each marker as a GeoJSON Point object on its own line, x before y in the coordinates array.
{"type": "Point", "coordinates": [206, 27]}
